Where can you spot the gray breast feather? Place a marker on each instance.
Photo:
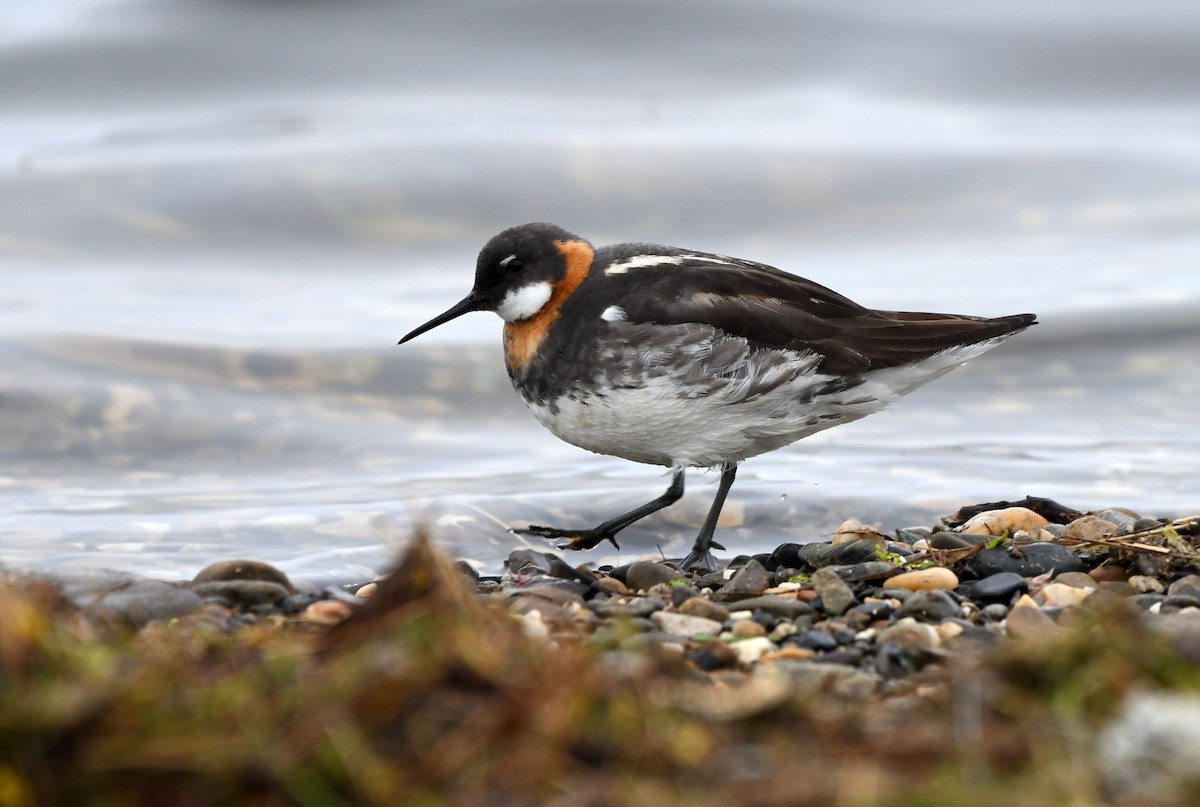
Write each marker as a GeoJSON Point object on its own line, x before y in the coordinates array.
{"type": "Point", "coordinates": [701, 360]}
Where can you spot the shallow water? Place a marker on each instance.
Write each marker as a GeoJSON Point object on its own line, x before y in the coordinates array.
{"type": "Point", "coordinates": [217, 218]}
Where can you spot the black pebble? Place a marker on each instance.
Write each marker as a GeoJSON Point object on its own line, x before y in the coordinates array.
{"type": "Point", "coordinates": [680, 595]}
{"type": "Point", "coordinates": [880, 609]}
{"type": "Point", "coordinates": [1027, 560]}
{"type": "Point", "coordinates": [785, 556]}
{"type": "Point", "coordinates": [296, 603]}
{"type": "Point", "coordinates": [1146, 601]}
{"type": "Point", "coordinates": [930, 606]}
{"type": "Point", "coordinates": [529, 561]}
{"type": "Point", "coordinates": [994, 612]}
{"type": "Point", "coordinates": [951, 540]}
{"type": "Point", "coordinates": [843, 636]}
{"type": "Point", "coordinates": [1000, 587]}
{"type": "Point", "coordinates": [853, 552]}
{"type": "Point", "coordinates": [817, 640]}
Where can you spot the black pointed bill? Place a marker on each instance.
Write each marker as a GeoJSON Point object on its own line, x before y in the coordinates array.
{"type": "Point", "coordinates": [464, 306]}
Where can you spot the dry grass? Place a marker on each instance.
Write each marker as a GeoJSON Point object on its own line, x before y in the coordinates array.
{"type": "Point", "coordinates": [432, 696]}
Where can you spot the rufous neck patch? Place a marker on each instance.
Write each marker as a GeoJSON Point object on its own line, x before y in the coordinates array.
{"type": "Point", "coordinates": [522, 339]}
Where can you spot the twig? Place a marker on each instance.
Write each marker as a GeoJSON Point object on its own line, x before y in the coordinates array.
{"type": "Point", "coordinates": [1134, 540]}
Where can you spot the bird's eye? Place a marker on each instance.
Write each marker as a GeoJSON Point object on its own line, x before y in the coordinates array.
{"type": "Point", "coordinates": [511, 265]}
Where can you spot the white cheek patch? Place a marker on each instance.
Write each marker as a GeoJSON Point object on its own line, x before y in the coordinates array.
{"type": "Point", "coordinates": [524, 301]}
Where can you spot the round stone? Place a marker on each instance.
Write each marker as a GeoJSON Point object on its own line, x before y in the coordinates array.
{"type": "Point", "coordinates": [749, 581]}
{"type": "Point", "coordinates": [327, 612]}
{"type": "Point", "coordinates": [1029, 560]}
{"type": "Point", "coordinates": [817, 640]}
{"type": "Point", "coordinates": [751, 650]}
{"type": "Point", "coordinates": [859, 551]}
{"type": "Point", "coordinates": [1124, 520]}
{"type": "Point", "coordinates": [243, 593]}
{"type": "Point", "coordinates": [868, 570]}
{"type": "Point", "coordinates": [704, 607]}
{"type": "Point", "coordinates": [530, 562]}
{"type": "Point", "coordinates": [1076, 579]}
{"type": "Point", "coordinates": [1057, 595]}
{"type": "Point", "coordinates": [613, 586]}
{"type": "Point", "coordinates": [910, 535]}
{"type": "Point", "coordinates": [686, 626]}
{"type": "Point", "coordinates": [1029, 623]}
{"type": "Point", "coordinates": [144, 600]}
{"type": "Point", "coordinates": [677, 594]}
{"type": "Point", "coordinates": [843, 636]}
{"type": "Point", "coordinates": [910, 634]}
{"type": "Point", "coordinates": [951, 540]}
{"type": "Point", "coordinates": [714, 656]}
{"type": "Point", "coordinates": [994, 612]}
{"type": "Point", "coordinates": [1144, 584]}
{"type": "Point", "coordinates": [1188, 586]}
{"type": "Point", "coordinates": [783, 630]}
{"type": "Point", "coordinates": [1147, 602]}
{"type": "Point", "coordinates": [629, 607]}
{"type": "Point", "coordinates": [777, 606]}
{"type": "Point", "coordinates": [1151, 565]}
{"type": "Point", "coordinates": [296, 603]}
{"type": "Point", "coordinates": [815, 554]}
{"type": "Point", "coordinates": [242, 570]}
{"type": "Point", "coordinates": [898, 594]}
{"type": "Point", "coordinates": [850, 531]}
{"type": "Point", "coordinates": [1090, 528]}
{"type": "Point", "coordinates": [949, 631]}
{"type": "Point", "coordinates": [873, 611]}
{"type": "Point", "coordinates": [646, 574]}
{"type": "Point", "coordinates": [1108, 574]}
{"type": "Point", "coordinates": [747, 629]}
{"type": "Point", "coordinates": [785, 556]}
{"type": "Point", "coordinates": [930, 606]}
{"type": "Point", "coordinates": [1000, 587]}
{"type": "Point", "coordinates": [924, 579]}
{"type": "Point", "coordinates": [1000, 522]}
{"type": "Point", "coordinates": [1117, 588]}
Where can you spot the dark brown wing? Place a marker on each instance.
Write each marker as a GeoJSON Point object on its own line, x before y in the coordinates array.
{"type": "Point", "coordinates": [891, 338]}
{"type": "Point", "coordinates": [773, 309]}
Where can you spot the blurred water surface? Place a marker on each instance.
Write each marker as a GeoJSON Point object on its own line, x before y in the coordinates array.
{"type": "Point", "coordinates": [217, 217]}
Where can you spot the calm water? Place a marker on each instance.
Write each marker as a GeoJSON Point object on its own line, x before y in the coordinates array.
{"type": "Point", "coordinates": [216, 218]}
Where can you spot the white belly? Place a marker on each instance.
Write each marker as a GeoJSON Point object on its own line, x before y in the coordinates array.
{"type": "Point", "coordinates": [747, 408]}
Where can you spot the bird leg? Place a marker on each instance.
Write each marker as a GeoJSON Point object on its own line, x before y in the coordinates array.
{"type": "Point", "coordinates": [586, 539]}
{"type": "Point", "coordinates": [700, 559]}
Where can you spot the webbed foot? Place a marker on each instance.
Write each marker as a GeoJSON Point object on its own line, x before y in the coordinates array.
{"type": "Point", "coordinates": [574, 539]}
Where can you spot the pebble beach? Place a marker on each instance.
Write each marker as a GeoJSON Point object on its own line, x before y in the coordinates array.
{"type": "Point", "coordinates": [1001, 610]}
